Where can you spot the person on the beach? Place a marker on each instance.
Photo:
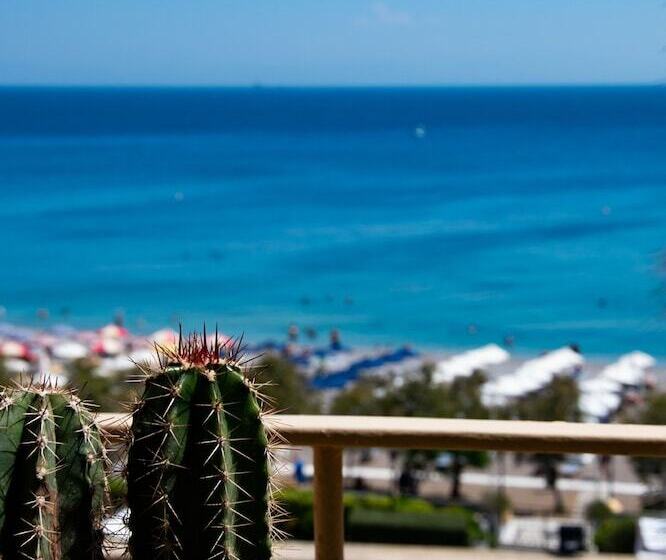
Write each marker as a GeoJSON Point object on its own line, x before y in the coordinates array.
{"type": "Point", "coordinates": [336, 344]}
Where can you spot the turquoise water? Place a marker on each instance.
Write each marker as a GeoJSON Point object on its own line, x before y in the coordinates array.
{"type": "Point", "coordinates": [440, 217]}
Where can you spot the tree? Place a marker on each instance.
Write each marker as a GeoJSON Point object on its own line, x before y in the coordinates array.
{"type": "Point", "coordinates": [287, 389]}
{"type": "Point", "coordinates": [465, 400]}
{"type": "Point", "coordinates": [652, 470]}
{"type": "Point", "coordinates": [416, 396]}
{"type": "Point", "coordinates": [363, 398]}
{"type": "Point", "coordinates": [558, 401]}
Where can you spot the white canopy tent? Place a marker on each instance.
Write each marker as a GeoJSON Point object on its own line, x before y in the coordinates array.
{"type": "Point", "coordinates": [602, 395]}
{"type": "Point", "coordinates": [598, 406]}
{"type": "Point", "coordinates": [629, 369]}
{"type": "Point", "coordinates": [600, 385]}
{"type": "Point", "coordinates": [532, 376]}
{"type": "Point", "coordinates": [639, 359]}
{"type": "Point", "coordinates": [560, 361]}
{"type": "Point", "coordinates": [463, 365]}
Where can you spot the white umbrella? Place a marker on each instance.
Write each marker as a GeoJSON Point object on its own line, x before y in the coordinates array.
{"type": "Point", "coordinates": [16, 365]}
{"type": "Point", "coordinates": [167, 338]}
{"type": "Point", "coordinates": [108, 346]}
{"type": "Point", "coordinates": [113, 331]}
{"type": "Point", "coordinates": [69, 350]}
{"type": "Point", "coordinates": [14, 349]}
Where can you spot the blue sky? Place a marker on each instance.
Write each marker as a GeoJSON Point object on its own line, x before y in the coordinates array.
{"type": "Point", "coordinates": [334, 42]}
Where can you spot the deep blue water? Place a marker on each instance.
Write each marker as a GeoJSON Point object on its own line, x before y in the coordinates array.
{"type": "Point", "coordinates": [533, 212]}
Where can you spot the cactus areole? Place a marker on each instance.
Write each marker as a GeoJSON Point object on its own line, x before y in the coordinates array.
{"type": "Point", "coordinates": [198, 464]}
{"type": "Point", "coordinates": [52, 481]}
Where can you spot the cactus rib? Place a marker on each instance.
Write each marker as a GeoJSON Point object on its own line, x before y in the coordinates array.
{"type": "Point", "coordinates": [198, 464]}
{"type": "Point", "coordinates": [52, 479]}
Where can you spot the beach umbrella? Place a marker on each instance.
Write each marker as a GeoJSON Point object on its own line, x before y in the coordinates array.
{"type": "Point", "coordinates": [113, 331]}
{"type": "Point", "coordinates": [69, 350]}
{"type": "Point", "coordinates": [108, 346]}
{"type": "Point", "coordinates": [167, 338]}
{"type": "Point", "coordinates": [16, 365]}
{"type": "Point", "coordinates": [15, 349]}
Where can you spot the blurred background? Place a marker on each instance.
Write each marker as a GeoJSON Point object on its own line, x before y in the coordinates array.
{"type": "Point", "coordinates": [433, 209]}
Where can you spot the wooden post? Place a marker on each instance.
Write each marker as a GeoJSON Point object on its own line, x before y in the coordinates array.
{"type": "Point", "coordinates": [328, 507]}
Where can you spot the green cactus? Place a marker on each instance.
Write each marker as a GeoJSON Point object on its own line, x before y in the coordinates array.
{"type": "Point", "coordinates": [198, 468]}
{"type": "Point", "coordinates": [52, 476]}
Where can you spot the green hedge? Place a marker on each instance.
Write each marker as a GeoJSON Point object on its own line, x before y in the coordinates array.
{"type": "Point", "coordinates": [366, 525]}
{"type": "Point", "coordinates": [616, 534]}
{"type": "Point", "coordinates": [377, 518]}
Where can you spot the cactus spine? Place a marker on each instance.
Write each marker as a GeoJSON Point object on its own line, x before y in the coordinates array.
{"type": "Point", "coordinates": [198, 463]}
{"type": "Point", "coordinates": [52, 478]}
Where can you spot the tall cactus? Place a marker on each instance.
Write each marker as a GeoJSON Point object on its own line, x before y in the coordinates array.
{"type": "Point", "coordinates": [52, 478]}
{"type": "Point", "coordinates": [198, 467]}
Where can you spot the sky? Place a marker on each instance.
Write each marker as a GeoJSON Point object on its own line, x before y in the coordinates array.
{"type": "Point", "coordinates": [332, 42]}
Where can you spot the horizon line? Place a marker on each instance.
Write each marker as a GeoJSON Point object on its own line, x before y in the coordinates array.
{"type": "Point", "coordinates": [260, 85]}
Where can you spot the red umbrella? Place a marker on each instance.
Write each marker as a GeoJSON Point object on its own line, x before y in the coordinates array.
{"type": "Point", "coordinates": [15, 349]}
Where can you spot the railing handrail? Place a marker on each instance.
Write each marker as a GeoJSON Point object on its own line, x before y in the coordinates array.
{"type": "Point", "coordinates": [329, 435]}
{"type": "Point", "coordinates": [442, 433]}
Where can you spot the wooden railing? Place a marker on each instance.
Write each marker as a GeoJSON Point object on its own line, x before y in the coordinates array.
{"type": "Point", "coordinates": [329, 435]}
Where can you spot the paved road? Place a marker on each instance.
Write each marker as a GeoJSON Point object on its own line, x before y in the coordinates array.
{"type": "Point", "coordinates": [293, 550]}
{"type": "Point", "coordinates": [491, 480]}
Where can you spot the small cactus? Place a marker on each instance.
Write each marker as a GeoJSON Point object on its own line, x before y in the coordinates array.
{"type": "Point", "coordinates": [52, 476]}
{"type": "Point", "coordinates": [198, 467]}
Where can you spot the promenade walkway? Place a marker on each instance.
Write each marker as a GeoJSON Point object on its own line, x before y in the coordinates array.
{"type": "Point", "coordinates": [295, 550]}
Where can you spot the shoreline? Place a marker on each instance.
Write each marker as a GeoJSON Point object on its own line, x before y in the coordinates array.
{"type": "Point", "coordinates": [47, 335]}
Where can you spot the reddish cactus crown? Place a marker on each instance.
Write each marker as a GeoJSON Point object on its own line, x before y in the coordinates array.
{"type": "Point", "coordinates": [201, 351]}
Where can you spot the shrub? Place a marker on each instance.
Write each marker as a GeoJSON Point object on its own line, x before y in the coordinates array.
{"type": "Point", "coordinates": [378, 518]}
{"type": "Point", "coordinates": [437, 528]}
{"type": "Point", "coordinates": [616, 534]}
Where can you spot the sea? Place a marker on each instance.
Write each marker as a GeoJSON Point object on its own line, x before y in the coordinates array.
{"type": "Point", "coordinates": [437, 217]}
